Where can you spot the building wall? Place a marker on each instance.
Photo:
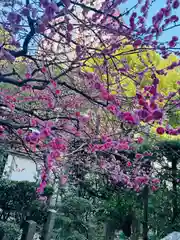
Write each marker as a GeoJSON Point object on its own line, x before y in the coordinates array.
{"type": "Point", "coordinates": [20, 168]}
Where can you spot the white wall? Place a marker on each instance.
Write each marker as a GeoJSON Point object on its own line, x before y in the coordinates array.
{"type": "Point", "coordinates": [19, 168]}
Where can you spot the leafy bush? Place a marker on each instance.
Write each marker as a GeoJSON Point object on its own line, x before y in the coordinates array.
{"type": "Point", "coordinates": [38, 212]}
{"type": "Point", "coordinates": [10, 230]}
{"type": "Point", "coordinates": [21, 198]}
{"type": "Point", "coordinates": [16, 195]}
{"type": "Point", "coordinates": [73, 219]}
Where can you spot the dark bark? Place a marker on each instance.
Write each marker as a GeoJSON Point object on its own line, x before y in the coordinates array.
{"type": "Point", "coordinates": [175, 195]}
{"type": "Point", "coordinates": [145, 212]}
{"type": "Point", "coordinates": [3, 159]}
{"type": "Point", "coordinates": [109, 231]}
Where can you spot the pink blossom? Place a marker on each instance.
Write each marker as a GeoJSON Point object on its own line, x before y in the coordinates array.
{"type": "Point", "coordinates": [156, 181]}
{"type": "Point", "coordinates": [138, 156]}
{"type": "Point", "coordinates": [154, 188]}
{"type": "Point", "coordinates": [14, 18]}
{"type": "Point", "coordinates": [172, 44]}
{"type": "Point", "coordinates": [129, 164]}
{"type": "Point", "coordinates": [43, 69]}
{"type": "Point", "coordinates": [148, 154]}
{"type": "Point", "coordinates": [160, 130]}
{"type": "Point", "coordinates": [137, 43]}
{"type": "Point", "coordinates": [78, 114]}
{"type": "Point", "coordinates": [174, 18]}
{"type": "Point", "coordinates": [28, 75]}
{"type": "Point", "coordinates": [41, 28]}
{"type": "Point", "coordinates": [123, 146]}
{"type": "Point", "coordinates": [175, 38]}
{"type": "Point", "coordinates": [1, 129]}
{"type": "Point", "coordinates": [140, 140]}
{"type": "Point", "coordinates": [141, 179]}
{"type": "Point", "coordinates": [19, 132]}
{"type": "Point", "coordinates": [69, 27]}
{"type": "Point", "coordinates": [127, 116]}
{"type": "Point", "coordinates": [143, 114]}
{"type": "Point", "coordinates": [176, 4]}
{"type": "Point", "coordinates": [112, 108]}
{"type": "Point", "coordinates": [25, 11]}
{"type": "Point", "coordinates": [41, 187]}
{"type": "Point", "coordinates": [45, 133]}
{"type": "Point", "coordinates": [102, 164]}
{"type": "Point", "coordinates": [58, 91]}
{"type": "Point", "coordinates": [63, 179]}
{"type": "Point", "coordinates": [33, 122]}
{"type": "Point", "coordinates": [157, 114]}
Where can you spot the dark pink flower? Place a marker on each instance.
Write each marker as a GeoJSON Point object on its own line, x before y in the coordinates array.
{"type": "Point", "coordinates": [63, 179]}
{"type": "Point", "coordinates": [102, 164]}
{"type": "Point", "coordinates": [34, 137]}
{"type": "Point", "coordinates": [58, 91]}
{"type": "Point", "coordinates": [142, 102]}
{"type": "Point", "coordinates": [97, 85]}
{"type": "Point", "coordinates": [160, 130]}
{"type": "Point", "coordinates": [69, 27]}
{"type": "Point", "coordinates": [14, 18]}
{"type": "Point", "coordinates": [123, 146]}
{"type": "Point", "coordinates": [172, 44]}
{"type": "Point", "coordinates": [1, 129]}
{"type": "Point", "coordinates": [147, 154]}
{"type": "Point", "coordinates": [51, 9]}
{"type": "Point", "coordinates": [141, 179]}
{"type": "Point", "coordinates": [25, 11]}
{"type": "Point", "coordinates": [138, 156]}
{"type": "Point", "coordinates": [111, 108]}
{"type": "Point", "coordinates": [137, 43]}
{"type": "Point", "coordinates": [174, 18]}
{"type": "Point", "coordinates": [43, 69]}
{"type": "Point", "coordinates": [140, 140]}
{"type": "Point", "coordinates": [175, 38]}
{"type": "Point", "coordinates": [78, 114]}
{"type": "Point", "coordinates": [176, 4]}
{"type": "Point", "coordinates": [143, 114]}
{"type": "Point", "coordinates": [41, 28]}
{"type": "Point", "coordinates": [129, 164]}
{"type": "Point", "coordinates": [157, 114]}
{"type": "Point", "coordinates": [28, 75]}
{"type": "Point", "coordinates": [155, 180]}
{"type": "Point", "coordinates": [154, 188]}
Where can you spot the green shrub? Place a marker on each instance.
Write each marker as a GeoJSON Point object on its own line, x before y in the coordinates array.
{"type": "Point", "coordinates": [38, 212]}
{"type": "Point", "coordinates": [16, 196]}
{"type": "Point", "coordinates": [10, 230]}
{"type": "Point", "coordinates": [21, 198]}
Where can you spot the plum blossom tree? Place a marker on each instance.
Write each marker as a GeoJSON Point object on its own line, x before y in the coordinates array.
{"type": "Point", "coordinates": [55, 41]}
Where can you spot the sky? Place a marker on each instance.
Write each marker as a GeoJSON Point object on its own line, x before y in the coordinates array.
{"type": "Point", "coordinates": [157, 5]}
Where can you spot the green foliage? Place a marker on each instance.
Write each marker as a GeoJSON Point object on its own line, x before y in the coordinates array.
{"type": "Point", "coordinates": [48, 191]}
{"type": "Point", "coordinates": [38, 212]}
{"type": "Point", "coordinates": [21, 198]}
{"type": "Point", "coordinates": [16, 195]}
{"type": "Point", "coordinates": [10, 230]}
{"type": "Point", "coordinates": [73, 219]}
{"type": "Point", "coordinates": [19, 195]}
{"type": "Point", "coordinates": [168, 146]}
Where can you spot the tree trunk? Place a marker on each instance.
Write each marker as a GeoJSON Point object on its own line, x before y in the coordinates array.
{"type": "Point", "coordinates": [145, 212]}
{"type": "Point", "coordinates": [174, 182]}
{"type": "Point", "coordinates": [3, 160]}
{"type": "Point", "coordinates": [109, 231]}
{"type": "Point", "coordinates": [135, 228]}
